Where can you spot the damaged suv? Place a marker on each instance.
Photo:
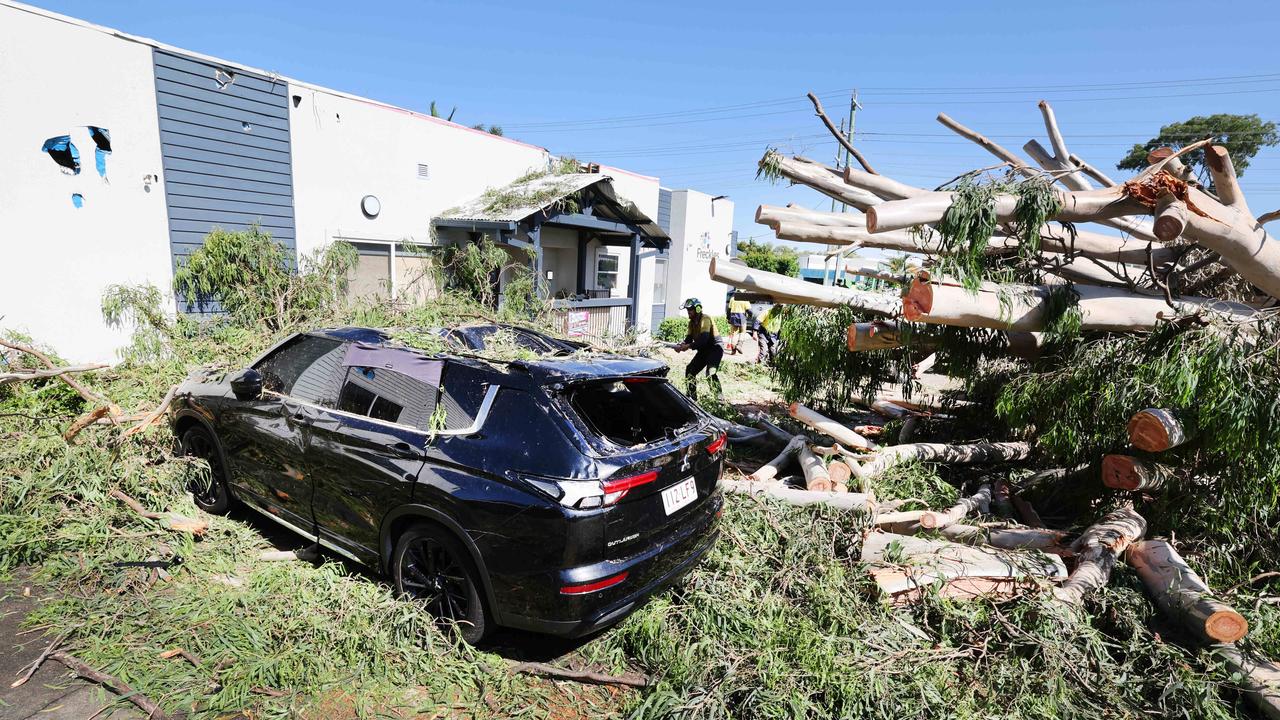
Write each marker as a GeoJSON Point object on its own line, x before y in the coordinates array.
{"type": "Point", "coordinates": [552, 495]}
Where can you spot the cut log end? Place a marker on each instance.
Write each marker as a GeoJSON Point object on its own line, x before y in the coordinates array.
{"type": "Point", "coordinates": [918, 301]}
{"type": "Point", "coordinates": [1155, 430]}
{"type": "Point", "coordinates": [1120, 472]}
{"type": "Point", "coordinates": [1226, 626]}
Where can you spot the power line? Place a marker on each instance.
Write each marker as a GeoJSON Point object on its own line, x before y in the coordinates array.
{"type": "Point", "coordinates": [902, 90]}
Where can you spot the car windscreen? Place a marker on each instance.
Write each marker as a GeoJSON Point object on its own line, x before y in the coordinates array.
{"type": "Point", "coordinates": [631, 411]}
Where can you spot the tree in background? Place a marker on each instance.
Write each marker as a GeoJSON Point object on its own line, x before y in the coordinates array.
{"type": "Point", "coordinates": [763, 256]}
{"type": "Point", "coordinates": [1242, 135]}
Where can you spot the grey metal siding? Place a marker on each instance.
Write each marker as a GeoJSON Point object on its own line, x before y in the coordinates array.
{"type": "Point", "coordinates": [226, 153]}
{"type": "Point", "coordinates": [664, 210]}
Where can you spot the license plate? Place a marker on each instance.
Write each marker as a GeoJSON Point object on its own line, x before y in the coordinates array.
{"type": "Point", "coordinates": [679, 495]}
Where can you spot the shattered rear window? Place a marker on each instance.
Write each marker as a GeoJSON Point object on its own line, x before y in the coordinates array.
{"type": "Point", "coordinates": [632, 411]}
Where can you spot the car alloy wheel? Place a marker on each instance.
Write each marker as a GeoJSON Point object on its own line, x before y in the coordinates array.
{"type": "Point", "coordinates": [209, 491]}
{"type": "Point", "coordinates": [431, 568]}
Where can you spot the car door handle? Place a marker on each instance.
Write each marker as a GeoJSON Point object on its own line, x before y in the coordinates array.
{"type": "Point", "coordinates": [405, 450]}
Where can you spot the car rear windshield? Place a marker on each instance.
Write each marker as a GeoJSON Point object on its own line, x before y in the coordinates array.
{"type": "Point", "coordinates": [631, 411]}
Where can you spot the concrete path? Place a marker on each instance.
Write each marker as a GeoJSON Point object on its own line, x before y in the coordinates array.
{"type": "Point", "coordinates": [53, 692]}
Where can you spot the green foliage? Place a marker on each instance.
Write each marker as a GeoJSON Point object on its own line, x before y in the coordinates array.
{"type": "Point", "coordinates": [770, 258]}
{"type": "Point", "coordinates": [491, 129]}
{"type": "Point", "coordinates": [1225, 502]}
{"type": "Point", "coordinates": [966, 228]}
{"type": "Point", "coordinates": [435, 113]}
{"type": "Point", "coordinates": [253, 278]}
{"type": "Point", "coordinates": [814, 363]}
{"type": "Point", "coordinates": [1242, 135]}
{"type": "Point", "coordinates": [781, 621]}
{"type": "Point", "coordinates": [1037, 202]}
{"type": "Point", "coordinates": [672, 328]}
{"type": "Point", "coordinates": [770, 166]}
{"type": "Point", "coordinates": [1063, 319]}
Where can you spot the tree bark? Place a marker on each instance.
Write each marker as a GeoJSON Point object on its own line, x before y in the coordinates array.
{"type": "Point", "coordinates": [771, 215]}
{"type": "Point", "coordinates": [825, 180]}
{"type": "Point", "coordinates": [1180, 592]}
{"type": "Point", "coordinates": [796, 291]}
{"type": "Point", "coordinates": [1064, 168]}
{"type": "Point", "coordinates": [829, 427]}
{"type": "Point", "coordinates": [844, 142]}
{"type": "Point", "coordinates": [962, 571]}
{"type": "Point", "coordinates": [1125, 472]}
{"type": "Point", "coordinates": [23, 375]}
{"type": "Point", "coordinates": [816, 477]}
{"type": "Point", "coordinates": [980, 501]}
{"type": "Point", "coordinates": [112, 683]}
{"type": "Point", "coordinates": [770, 470]}
{"type": "Point", "coordinates": [791, 496]}
{"type": "Point", "coordinates": [1096, 552]}
{"type": "Point", "coordinates": [1023, 307]}
{"type": "Point", "coordinates": [982, 452]}
{"type": "Point", "coordinates": [1052, 240]}
{"type": "Point", "coordinates": [1156, 430]}
{"type": "Point", "coordinates": [1260, 679]}
{"type": "Point", "coordinates": [1007, 538]}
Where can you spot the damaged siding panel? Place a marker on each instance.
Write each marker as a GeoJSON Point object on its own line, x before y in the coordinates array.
{"type": "Point", "coordinates": [224, 139]}
{"type": "Point", "coordinates": [203, 75]}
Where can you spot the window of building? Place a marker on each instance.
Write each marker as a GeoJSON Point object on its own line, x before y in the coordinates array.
{"type": "Point", "coordinates": [392, 270]}
{"type": "Point", "coordinates": [606, 271]}
{"type": "Point", "coordinates": [660, 281]}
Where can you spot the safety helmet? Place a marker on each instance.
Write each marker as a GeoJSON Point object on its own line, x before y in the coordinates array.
{"type": "Point", "coordinates": [692, 302]}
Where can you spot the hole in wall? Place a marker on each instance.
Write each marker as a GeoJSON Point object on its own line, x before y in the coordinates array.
{"type": "Point", "coordinates": [246, 127]}
{"type": "Point", "coordinates": [102, 140]}
{"type": "Point", "coordinates": [77, 199]}
{"type": "Point", "coordinates": [297, 100]}
{"type": "Point", "coordinates": [223, 78]}
{"type": "Point", "coordinates": [63, 152]}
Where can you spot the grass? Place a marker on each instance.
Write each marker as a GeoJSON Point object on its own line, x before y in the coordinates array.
{"type": "Point", "coordinates": [779, 621]}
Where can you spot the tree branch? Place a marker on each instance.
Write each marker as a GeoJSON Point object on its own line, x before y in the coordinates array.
{"type": "Point", "coordinates": [844, 142]}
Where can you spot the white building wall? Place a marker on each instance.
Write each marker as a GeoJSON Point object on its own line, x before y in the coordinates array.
{"type": "Point", "coordinates": [56, 78]}
{"type": "Point", "coordinates": [700, 230]}
{"type": "Point", "coordinates": [346, 147]}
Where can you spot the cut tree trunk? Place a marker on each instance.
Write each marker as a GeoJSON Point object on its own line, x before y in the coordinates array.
{"type": "Point", "coordinates": [771, 215]}
{"type": "Point", "coordinates": [844, 501]}
{"type": "Point", "coordinates": [829, 427]}
{"type": "Point", "coordinates": [816, 477]}
{"type": "Point", "coordinates": [1156, 430]}
{"type": "Point", "coordinates": [1125, 472]}
{"type": "Point", "coordinates": [1024, 307]}
{"type": "Point", "coordinates": [770, 470]}
{"type": "Point", "coordinates": [1259, 679]}
{"type": "Point", "coordinates": [1100, 247]}
{"type": "Point", "coordinates": [825, 180]}
{"type": "Point", "coordinates": [982, 452]}
{"type": "Point", "coordinates": [979, 501]}
{"type": "Point", "coordinates": [796, 291]}
{"type": "Point", "coordinates": [1065, 167]}
{"type": "Point", "coordinates": [840, 474]}
{"type": "Point", "coordinates": [1096, 552]}
{"type": "Point", "coordinates": [1180, 592]}
{"type": "Point", "coordinates": [1007, 538]}
{"type": "Point", "coordinates": [891, 410]}
{"type": "Point", "coordinates": [915, 565]}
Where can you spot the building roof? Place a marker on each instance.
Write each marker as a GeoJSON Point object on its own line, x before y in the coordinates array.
{"type": "Point", "coordinates": [545, 194]}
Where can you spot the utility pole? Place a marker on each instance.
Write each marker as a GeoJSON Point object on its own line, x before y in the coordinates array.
{"type": "Point", "coordinates": [842, 161]}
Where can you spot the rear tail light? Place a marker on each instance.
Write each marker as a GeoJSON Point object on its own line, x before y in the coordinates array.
{"type": "Point", "coordinates": [615, 490]}
{"type": "Point", "coordinates": [593, 586]}
{"type": "Point", "coordinates": [717, 444]}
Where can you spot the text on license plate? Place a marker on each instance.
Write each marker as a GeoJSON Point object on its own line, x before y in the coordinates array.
{"type": "Point", "coordinates": [679, 495]}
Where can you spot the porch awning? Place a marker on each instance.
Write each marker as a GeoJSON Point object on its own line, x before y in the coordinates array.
{"type": "Point", "coordinates": [543, 197]}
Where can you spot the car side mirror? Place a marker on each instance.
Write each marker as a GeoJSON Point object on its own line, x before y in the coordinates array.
{"type": "Point", "coordinates": [247, 384]}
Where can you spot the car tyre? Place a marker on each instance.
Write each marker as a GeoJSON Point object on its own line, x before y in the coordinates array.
{"type": "Point", "coordinates": [210, 494]}
{"type": "Point", "coordinates": [430, 566]}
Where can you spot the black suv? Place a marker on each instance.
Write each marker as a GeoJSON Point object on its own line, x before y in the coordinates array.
{"type": "Point", "coordinates": [553, 495]}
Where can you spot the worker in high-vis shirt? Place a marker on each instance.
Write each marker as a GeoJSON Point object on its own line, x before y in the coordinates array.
{"type": "Point", "coordinates": [737, 320]}
{"type": "Point", "coordinates": [703, 340]}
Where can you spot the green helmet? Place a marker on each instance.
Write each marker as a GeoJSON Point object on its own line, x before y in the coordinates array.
{"type": "Point", "coordinates": [692, 302]}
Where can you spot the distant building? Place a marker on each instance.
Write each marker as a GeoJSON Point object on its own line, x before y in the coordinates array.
{"type": "Point", "coordinates": [122, 153]}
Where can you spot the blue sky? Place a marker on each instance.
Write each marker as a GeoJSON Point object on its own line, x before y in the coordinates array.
{"type": "Point", "coordinates": [694, 92]}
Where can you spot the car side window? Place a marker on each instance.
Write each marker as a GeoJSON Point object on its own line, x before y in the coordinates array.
{"type": "Point", "coordinates": [306, 368]}
{"type": "Point", "coordinates": [462, 391]}
{"type": "Point", "coordinates": [387, 395]}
